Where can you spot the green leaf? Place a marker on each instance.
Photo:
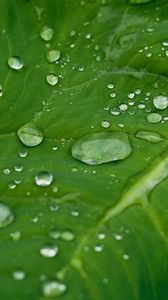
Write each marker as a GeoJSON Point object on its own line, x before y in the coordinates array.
{"type": "Point", "coordinates": [70, 230]}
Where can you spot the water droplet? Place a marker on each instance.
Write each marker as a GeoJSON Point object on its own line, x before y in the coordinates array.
{"type": "Point", "coordinates": [15, 63]}
{"type": "Point", "coordinates": [103, 147]}
{"type": "Point", "coordinates": [115, 111]}
{"type": "Point", "coordinates": [18, 168]}
{"type": "Point", "coordinates": [15, 236]}
{"type": "Point", "coordinates": [154, 118]}
{"type": "Point", "coordinates": [54, 234]}
{"type": "Point", "coordinates": [6, 171]}
{"type": "Point", "coordinates": [88, 35]}
{"type": "Point", "coordinates": [98, 248]}
{"type": "Point", "coordinates": [52, 79]}
{"type": "Point", "coordinates": [123, 107]}
{"type": "Point", "coordinates": [19, 275]}
{"type": "Point", "coordinates": [67, 236]}
{"type": "Point", "coordinates": [118, 237]}
{"type": "Point", "coordinates": [126, 257]}
{"type": "Point", "coordinates": [110, 85]}
{"type": "Point", "coordinates": [47, 33]}
{"type": "Point", "coordinates": [12, 186]}
{"type": "Point", "coordinates": [165, 43]}
{"type": "Point", "coordinates": [49, 251]}
{"type": "Point", "coordinates": [105, 124]}
{"type": "Point", "coordinates": [53, 289]}
{"type": "Point", "coordinates": [149, 136]}
{"type": "Point", "coordinates": [6, 216]}
{"type": "Point", "coordinates": [113, 95]}
{"type": "Point", "coordinates": [53, 55]}
{"type": "Point", "coordinates": [30, 135]}
{"type": "Point", "coordinates": [101, 236]}
{"type": "Point", "coordinates": [160, 102]}
{"type": "Point", "coordinates": [23, 153]}
{"type": "Point", "coordinates": [44, 179]}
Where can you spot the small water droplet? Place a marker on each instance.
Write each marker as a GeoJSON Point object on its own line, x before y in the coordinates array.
{"type": "Point", "coordinates": [30, 135]}
{"type": "Point", "coordinates": [105, 124]}
{"type": "Point", "coordinates": [67, 236]}
{"type": "Point", "coordinates": [160, 102]}
{"type": "Point", "coordinates": [126, 257]}
{"type": "Point", "coordinates": [118, 237]}
{"type": "Point", "coordinates": [19, 275]}
{"type": "Point", "coordinates": [52, 79]}
{"type": "Point", "coordinates": [115, 111]}
{"type": "Point", "coordinates": [15, 236]}
{"type": "Point", "coordinates": [52, 289]}
{"type": "Point", "coordinates": [47, 33]}
{"type": "Point", "coordinates": [154, 118]}
{"type": "Point", "coordinates": [103, 147]}
{"type": "Point", "coordinates": [6, 171]}
{"type": "Point", "coordinates": [23, 153]}
{"type": "Point", "coordinates": [98, 248]}
{"type": "Point", "coordinates": [49, 251]}
{"type": "Point", "coordinates": [12, 186]}
{"type": "Point", "coordinates": [15, 63]}
{"type": "Point", "coordinates": [44, 179]}
{"type": "Point", "coordinates": [18, 168]}
{"type": "Point", "coordinates": [110, 85]}
{"type": "Point", "coordinates": [6, 216]}
{"type": "Point", "coordinates": [53, 55]}
{"type": "Point", "coordinates": [54, 234]}
{"type": "Point", "coordinates": [149, 136]}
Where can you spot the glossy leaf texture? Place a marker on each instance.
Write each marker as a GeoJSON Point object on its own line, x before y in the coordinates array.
{"type": "Point", "coordinates": [72, 69]}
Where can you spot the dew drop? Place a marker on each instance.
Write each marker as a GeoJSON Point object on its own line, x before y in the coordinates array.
{"type": "Point", "coordinates": [52, 289]}
{"type": "Point", "coordinates": [6, 216]}
{"type": "Point", "coordinates": [105, 124]}
{"type": "Point", "coordinates": [15, 63]}
{"type": "Point", "coordinates": [23, 153]}
{"type": "Point", "coordinates": [54, 234]}
{"type": "Point", "coordinates": [49, 251]}
{"type": "Point", "coordinates": [19, 275]}
{"type": "Point", "coordinates": [53, 55]}
{"type": "Point", "coordinates": [154, 118]}
{"type": "Point", "coordinates": [67, 236]}
{"type": "Point", "coordinates": [149, 136]}
{"type": "Point", "coordinates": [30, 135]}
{"type": "Point", "coordinates": [44, 179]}
{"type": "Point", "coordinates": [15, 236]}
{"type": "Point", "coordinates": [98, 248]}
{"type": "Point", "coordinates": [160, 102]}
{"type": "Point", "coordinates": [18, 168]}
{"type": "Point", "coordinates": [52, 79]}
{"type": "Point", "coordinates": [126, 257]}
{"type": "Point", "coordinates": [110, 85]}
{"type": "Point", "coordinates": [102, 147]}
{"type": "Point", "coordinates": [6, 171]}
{"type": "Point", "coordinates": [47, 33]}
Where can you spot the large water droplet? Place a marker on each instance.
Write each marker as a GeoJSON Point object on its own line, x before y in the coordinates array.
{"type": "Point", "coordinates": [6, 216]}
{"type": "Point", "coordinates": [149, 136]}
{"type": "Point", "coordinates": [52, 79]}
{"type": "Point", "coordinates": [47, 33]}
{"type": "Point", "coordinates": [99, 148]}
{"type": "Point", "coordinates": [49, 251]}
{"type": "Point", "coordinates": [44, 179]}
{"type": "Point", "coordinates": [160, 102]}
{"type": "Point", "coordinates": [53, 55]}
{"type": "Point", "coordinates": [15, 63]}
{"type": "Point", "coordinates": [30, 135]}
{"type": "Point", "coordinates": [53, 289]}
